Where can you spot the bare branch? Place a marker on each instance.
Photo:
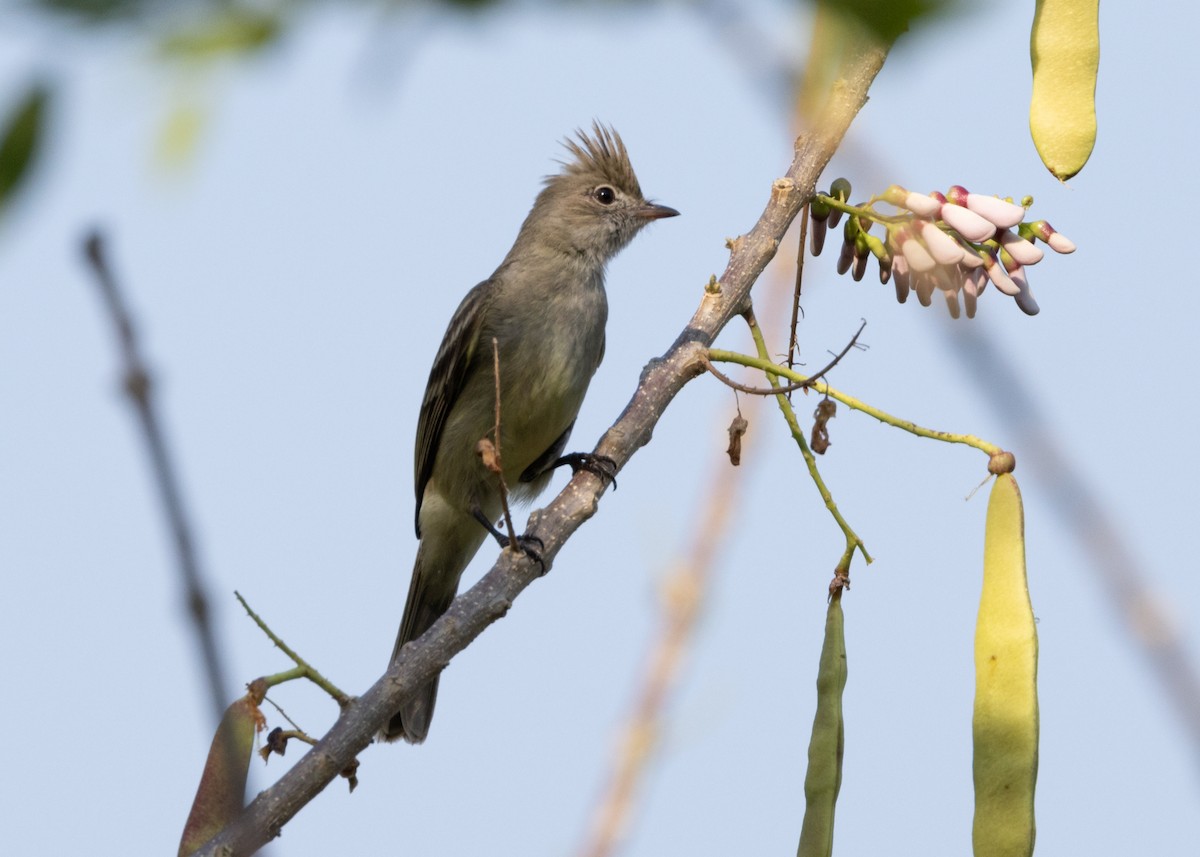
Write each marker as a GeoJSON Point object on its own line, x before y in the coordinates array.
{"type": "Point", "coordinates": [490, 598]}
{"type": "Point", "coordinates": [139, 388]}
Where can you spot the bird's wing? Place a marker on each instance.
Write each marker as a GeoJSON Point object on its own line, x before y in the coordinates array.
{"type": "Point", "coordinates": [446, 382]}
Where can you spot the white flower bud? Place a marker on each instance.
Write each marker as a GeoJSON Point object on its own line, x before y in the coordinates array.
{"type": "Point", "coordinates": [923, 286]}
{"type": "Point", "coordinates": [921, 205]}
{"type": "Point", "coordinates": [967, 223]}
{"type": "Point", "coordinates": [918, 257]}
{"type": "Point", "coordinates": [997, 274]}
{"type": "Point", "coordinates": [944, 249]}
{"type": "Point", "coordinates": [1023, 252]}
{"type": "Point", "coordinates": [1004, 214]}
{"type": "Point", "coordinates": [971, 260]}
{"type": "Point", "coordinates": [1024, 296]}
{"type": "Point", "coordinates": [952, 303]}
{"type": "Point", "coordinates": [1060, 243]}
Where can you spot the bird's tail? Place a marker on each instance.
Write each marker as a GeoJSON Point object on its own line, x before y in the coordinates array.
{"type": "Point", "coordinates": [434, 585]}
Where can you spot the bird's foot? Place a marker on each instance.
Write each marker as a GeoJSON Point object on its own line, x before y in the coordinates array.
{"type": "Point", "coordinates": [599, 465]}
{"type": "Point", "coordinates": [531, 546]}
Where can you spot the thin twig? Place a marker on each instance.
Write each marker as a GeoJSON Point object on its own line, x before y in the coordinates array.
{"type": "Point", "coordinates": [765, 364]}
{"type": "Point", "coordinates": [139, 388]}
{"type": "Point", "coordinates": [798, 385]}
{"type": "Point", "coordinates": [853, 542]}
{"type": "Point", "coordinates": [793, 333]}
{"type": "Point", "coordinates": [508, 521]}
{"type": "Point", "coordinates": [303, 668]}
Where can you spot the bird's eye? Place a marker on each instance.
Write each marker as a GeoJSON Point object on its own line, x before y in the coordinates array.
{"type": "Point", "coordinates": [605, 195]}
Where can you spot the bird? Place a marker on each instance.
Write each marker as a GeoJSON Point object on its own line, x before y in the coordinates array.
{"type": "Point", "coordinates": [542, 313]}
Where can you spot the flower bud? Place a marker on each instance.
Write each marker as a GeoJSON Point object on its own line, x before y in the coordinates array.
{"type": "Point", "coordinates": [1024, 296]}
{"type": "Point", "coordinates": [944, 249]}
{"type": "Point", "coordinates": [1021, 250]}
{"type": "Point", "coordinates": [1058, 242]}
{"type": "Point", "coordinates": [914, 251]}
{"type": "Point", "coordinates": [967, 223]}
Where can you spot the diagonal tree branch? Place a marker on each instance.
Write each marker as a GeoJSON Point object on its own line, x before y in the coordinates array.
{"type": "Point", "coordinates": [139, 388]}
{"type": "Point", "coordinates": [490, 598]}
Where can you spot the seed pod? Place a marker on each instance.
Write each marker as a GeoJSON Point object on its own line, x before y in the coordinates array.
{"type": "Point", "coordinates": [1065, 50]}
{"type": "Point", "coordinates": [1005, 724]}
{"type": "Point", "coordinates": [222, 786]}
{"type": "Point", "coordinates": [824, 776]}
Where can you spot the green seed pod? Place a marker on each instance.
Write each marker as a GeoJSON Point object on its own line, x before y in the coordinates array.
{"type": "Point", "coordinates": [1065, 50]}
{"type": "Point", "coordinates": [1005, 724]}
{"type": "Point", "coordinates": [824, 776]}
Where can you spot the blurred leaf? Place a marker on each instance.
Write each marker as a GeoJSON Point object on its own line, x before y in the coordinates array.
{"type": "Point", "coordinates": [180, 132]}
{"type": "Point", "coordinates": [97, 11]}
{"type": "Point", "coordinates": [230, 31]}
{"type": "Point", "coordinates": [888, 19]}
{"type": "Point", "coordinates": [20, 140]}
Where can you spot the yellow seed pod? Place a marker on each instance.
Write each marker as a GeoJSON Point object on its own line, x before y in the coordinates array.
{"type": "Point", "coordinates": [1005, 724]}
{"type": "Point", "coordinates": [1065, 50]}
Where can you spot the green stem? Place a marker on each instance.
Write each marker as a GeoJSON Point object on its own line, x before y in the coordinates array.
{"type": "Point", "coordinates": [774, 370]}
{"type": "Point", "coordinates": [302, 669]}
{"type": "Point", "coordinates": [853, 542]}
{"type": "Point", "coordinates": [865, 211]}
{"type": "Point", "coordinates": [287, 675]}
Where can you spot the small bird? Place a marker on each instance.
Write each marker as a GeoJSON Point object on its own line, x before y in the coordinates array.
{"type": "Point", "coordinates": [545, 307]}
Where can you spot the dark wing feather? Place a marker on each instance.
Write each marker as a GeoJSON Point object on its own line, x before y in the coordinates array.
{"type": "Point", "coordinates": [446, 382]}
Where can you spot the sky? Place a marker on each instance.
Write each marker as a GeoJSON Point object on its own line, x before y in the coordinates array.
{"type": "Point", "coordinates": [291, 278]}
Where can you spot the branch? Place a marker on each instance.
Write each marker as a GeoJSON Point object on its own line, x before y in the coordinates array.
{"type": "Point", "coordinates": [810, 381]}
{"type": "Point", "coordinates": [139, 388]}
{"type": "Point", "coordinates": [490, 598]}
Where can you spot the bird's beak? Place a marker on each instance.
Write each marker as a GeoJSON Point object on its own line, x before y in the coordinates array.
{"type": "Point", "coordinates": [653, 211]}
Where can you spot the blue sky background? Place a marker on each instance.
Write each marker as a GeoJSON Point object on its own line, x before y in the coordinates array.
{"type": "Point", "coordinates": [292, 281]}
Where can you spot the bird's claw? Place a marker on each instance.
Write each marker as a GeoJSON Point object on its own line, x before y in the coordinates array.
{"type": "Point", "coordinates": [531, 546]}
{"type": "Point", "coordinates": [598, 465]}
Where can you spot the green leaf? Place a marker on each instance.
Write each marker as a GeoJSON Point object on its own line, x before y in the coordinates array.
{"type": "Point", "coordinates": [21, 139]}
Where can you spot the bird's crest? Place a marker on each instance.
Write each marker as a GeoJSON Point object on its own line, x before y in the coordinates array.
{"type": "Point", "coordinates": [604, 154]}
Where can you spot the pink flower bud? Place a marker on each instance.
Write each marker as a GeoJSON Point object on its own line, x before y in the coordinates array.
{"type": "Point", "coordinates": [1024, 296]}
{"type": "Point", "coordinates": [1004, 214]}
{"type": "Point", "coordinates": [914, 251]}
{"type": "Point", "coordinates": [900, 277]}
{"type": "Point", "coordinates": [967, 223]}
{"type": "Point", "coordinates": [918, 203]}
{"type": "Point", "coordinates": [1058, 242]}
{"type": "Point", "coordinates": [846, 257]}
{"type": "Point", "coordinates": [816, 232]}
{"type": "Point", "coordinates": [997, 274]}
{"type": "Point", "coordinates": [859, 268]}
{"type": "Point", "coordinates": [944, 249]}
{"type": "Point", "coordinates": [974, 282]}
{"type": "Point", "coordinates": [952, 303]}
{"type": "Point", "coordinates": [923, 286]}
{"type": "Point", "coordinates": [971, 260]}
{"type": "Point", "coordinates": [1022, 251]}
